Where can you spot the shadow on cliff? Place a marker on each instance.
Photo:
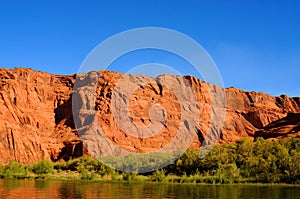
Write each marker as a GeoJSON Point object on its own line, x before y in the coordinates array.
{"type": "Point", "coordinates": [72, 149]}
{"type": "Point", "coordinates": [73, 146]}
{"type": "Point", "coordinates": [63, 113]}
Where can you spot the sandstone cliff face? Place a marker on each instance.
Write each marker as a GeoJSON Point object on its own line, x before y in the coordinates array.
{"type": "Point", "coordinates": [247, 112]}
{"type": "Point", "coordinates": [288, 126]}
{"type": "Point", "coordinates": [37, 121]}
{"type": "Point", "coordinates": [35, 113]}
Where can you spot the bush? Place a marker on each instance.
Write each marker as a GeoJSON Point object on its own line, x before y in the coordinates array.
{"type": "Point", "coordinates": [159, 175]}
{"type": "Point", "coordinates": [42, 167]}
{"type": "Point", "coordinates": [13, 169]}
{"type": "Point", "coordinates": [85, 175]}
{"type": "Point", "coordinates": [127, 176]}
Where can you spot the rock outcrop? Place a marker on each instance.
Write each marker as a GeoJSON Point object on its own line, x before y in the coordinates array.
{"type": "Point", "coordinates": [288, 126]}
{"type": "Point", "coordinates": [36, 118]}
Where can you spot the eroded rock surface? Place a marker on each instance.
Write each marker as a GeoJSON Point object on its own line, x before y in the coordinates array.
{"type": "Point", "coordinates": [36, 118]}
{"type": "Point", "coordinates": [288, 126]}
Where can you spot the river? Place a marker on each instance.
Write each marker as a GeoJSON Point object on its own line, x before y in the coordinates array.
{"type": "Point", "coordinates": [59, 189]}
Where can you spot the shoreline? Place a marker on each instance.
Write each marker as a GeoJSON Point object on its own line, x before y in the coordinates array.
{"type": "Point", "coordinates": [149, 182]}
{"type": "Point", "coordinates": [244, 162]}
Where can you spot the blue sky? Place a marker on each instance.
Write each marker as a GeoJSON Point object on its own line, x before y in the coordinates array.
{"type": "Point", "coordinates": [255, 44]}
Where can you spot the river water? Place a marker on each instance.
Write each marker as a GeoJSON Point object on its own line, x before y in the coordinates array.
{"type": "Point", "coordinates": [57, 189]}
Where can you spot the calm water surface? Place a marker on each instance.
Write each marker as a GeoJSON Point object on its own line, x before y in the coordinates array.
{"type": "Point", "coordinates": [53, 189]}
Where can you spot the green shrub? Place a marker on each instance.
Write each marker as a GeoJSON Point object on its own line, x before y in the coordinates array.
{"type": "Point", "coordinates": [159, 175]}
{"type": "Point", "coordinates": [13, 169]}
{"type": "Point", "coordinates": [128, 176]}
{"type": "Point", "coordinates": [43, 167]}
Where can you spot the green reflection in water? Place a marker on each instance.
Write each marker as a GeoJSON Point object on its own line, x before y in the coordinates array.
{"type": "Point", "coordinates": [53, 189]}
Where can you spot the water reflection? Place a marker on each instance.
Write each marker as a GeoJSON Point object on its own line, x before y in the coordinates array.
{"type": "Point", "coordinates": [52, 189]}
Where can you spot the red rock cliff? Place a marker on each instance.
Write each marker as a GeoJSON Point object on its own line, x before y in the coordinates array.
{"type": "Point", "coordinates": [37, 122]}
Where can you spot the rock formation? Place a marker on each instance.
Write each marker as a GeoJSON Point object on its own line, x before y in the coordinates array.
{"type": "Point", "coordinates": [36, 119]}
{"type": "Point", "coordinates": [288, 126]}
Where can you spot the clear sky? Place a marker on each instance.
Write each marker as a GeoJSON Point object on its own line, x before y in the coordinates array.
{"type": "Point", "coordinates": [255, 44]}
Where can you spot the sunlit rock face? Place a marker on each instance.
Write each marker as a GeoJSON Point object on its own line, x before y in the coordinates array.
{"type": "Point", "coordinates": [61, 117]}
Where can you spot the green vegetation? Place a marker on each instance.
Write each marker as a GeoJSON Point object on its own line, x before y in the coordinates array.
{"type": "Point", "coordinates": [42, 167]}
{"type": "Point", "coordinates": [261, 161]}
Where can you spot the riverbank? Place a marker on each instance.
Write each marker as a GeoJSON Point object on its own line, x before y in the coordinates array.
{"type": "Point", "coordinates": [243, 162]}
